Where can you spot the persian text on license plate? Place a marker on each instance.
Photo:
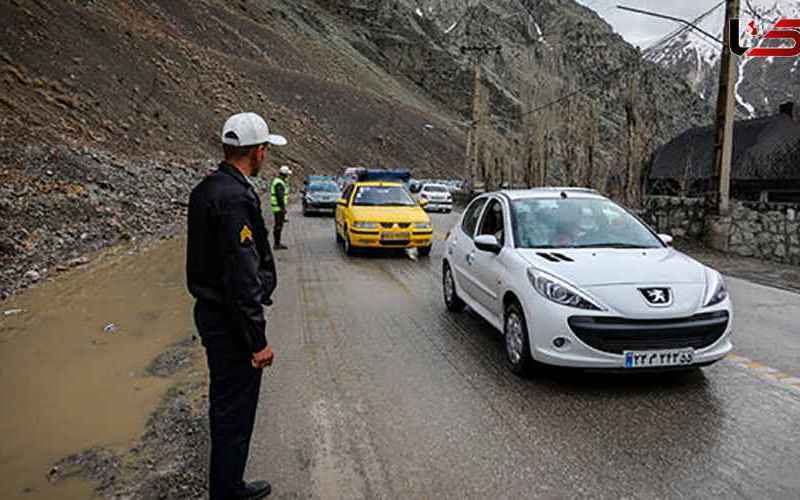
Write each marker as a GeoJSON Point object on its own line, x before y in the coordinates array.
{"type": "Point", "coordinates": [395, 236]}
{"type": "Point", "coordinates": [657, 359]}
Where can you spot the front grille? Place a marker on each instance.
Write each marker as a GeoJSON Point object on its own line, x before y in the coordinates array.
{"type": "Point", "coordinates": [395, 243]}
{"type": "Point", "coordinates": [389, 225]}
{"type": "Point", "coordinates": [616, 335]}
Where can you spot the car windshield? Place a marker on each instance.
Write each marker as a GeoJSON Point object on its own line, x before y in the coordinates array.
{"type": "Point", "coordinates": [434, 189]}
{"type": "Point", "coordinates": [328, 187]}
{"type": "Point", "coordinates": [578, 223]}
{"type": "Point", "coordinates": [386, 196]}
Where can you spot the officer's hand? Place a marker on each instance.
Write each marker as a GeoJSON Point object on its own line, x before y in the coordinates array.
{"type": "Point", "coordinates": [263, 357]}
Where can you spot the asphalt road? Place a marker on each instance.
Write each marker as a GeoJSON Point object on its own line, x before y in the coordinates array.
{"type": "Point", "coordinates": [378, 392]}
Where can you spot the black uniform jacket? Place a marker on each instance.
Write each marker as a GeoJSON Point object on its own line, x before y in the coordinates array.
{"type": "Point", "coordinates": [229, 266]}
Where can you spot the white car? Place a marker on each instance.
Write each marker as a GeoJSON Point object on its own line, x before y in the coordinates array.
{"type": "Point", "coordinates": [572, 279]}
{"type": "Point", "coordinates": [438, 197]}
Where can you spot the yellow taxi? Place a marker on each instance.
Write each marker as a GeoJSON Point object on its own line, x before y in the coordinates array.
{"type": "Point", "coordinates": [382, 215]}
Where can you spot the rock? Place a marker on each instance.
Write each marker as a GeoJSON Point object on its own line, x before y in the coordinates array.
{"type": "Point", "coordinates": [33, 276]}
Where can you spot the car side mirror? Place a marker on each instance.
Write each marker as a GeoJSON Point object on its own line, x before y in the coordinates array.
{"type": "Point", "coordinates": [488, 243]}
{"type": "Point", "coordinates": [423, 202]}
{"type": "Point", "coordinates": [341, 202]}
{"type": "Point", "coordinates": [666, 238]}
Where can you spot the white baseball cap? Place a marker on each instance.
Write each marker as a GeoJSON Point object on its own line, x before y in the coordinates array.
{"type": "Point", "coordinates": [285, 170]}
{"type": "Point", "coordinates": [249, 129]}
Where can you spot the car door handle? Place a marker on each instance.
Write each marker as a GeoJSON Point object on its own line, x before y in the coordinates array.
{"type": "Point", "coordinates": [470, 257]}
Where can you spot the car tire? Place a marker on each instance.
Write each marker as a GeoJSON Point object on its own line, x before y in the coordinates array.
{"type": "Point", "coordinates": [451, 298]}
{"type": "Point", "coordinates": [424, 251]}
{"type": "Point", "coordinates": [517, 344]}
{"type": "Point", "coordinates": [348, 247]}
{"type": "Point", "coordinates": [339, 239]}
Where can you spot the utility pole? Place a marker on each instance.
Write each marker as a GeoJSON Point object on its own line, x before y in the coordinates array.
{"type": "Point", "coordinates": [474, 127]}
{"type": "Point", "coordinates": [726, 110]}
{"type": "Point", "coordinates": [476, 181]}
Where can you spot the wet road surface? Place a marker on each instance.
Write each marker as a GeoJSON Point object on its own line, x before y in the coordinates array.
{"type": "Point", "coordinates": [377, 392]}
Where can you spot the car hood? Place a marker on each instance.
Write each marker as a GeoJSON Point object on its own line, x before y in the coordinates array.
{"type": "Point", "coordinates": [390, 214]}
{"type": "Point", "coordinates": [600, 267]}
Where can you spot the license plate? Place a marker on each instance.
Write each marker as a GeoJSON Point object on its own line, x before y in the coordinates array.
{"type": "Point", "coordinates": [657, 359]}
{"type": "Point", "coordinates": [396, 236]}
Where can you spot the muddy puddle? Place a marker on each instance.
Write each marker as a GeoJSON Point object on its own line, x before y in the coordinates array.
{"type": "Point", "coordinates": [67, 382]}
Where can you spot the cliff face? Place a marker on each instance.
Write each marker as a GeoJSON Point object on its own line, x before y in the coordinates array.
{"type": "Point", "coordinates": [543, 50]}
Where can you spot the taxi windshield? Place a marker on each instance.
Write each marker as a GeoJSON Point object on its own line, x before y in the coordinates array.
{"type": "Point", "coordinates": [578, 223]}
{"type": "Point", "coordinates": [383, 196]}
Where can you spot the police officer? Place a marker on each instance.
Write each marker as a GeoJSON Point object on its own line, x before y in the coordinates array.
{"type": "Point", "coordinates": [231, 273]}
{"type": "Point", "coordinates": [279, 199]}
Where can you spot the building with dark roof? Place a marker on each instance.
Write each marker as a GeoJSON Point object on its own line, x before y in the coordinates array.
{"type": "Point", "coordinates": [765, 164]}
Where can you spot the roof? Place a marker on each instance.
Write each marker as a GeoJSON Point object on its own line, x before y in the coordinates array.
{"type": "Point", "coordinates": [378, 184]}
{"type": "Point", "coordinates": [550, 192]}
{"type": "Point", "coordinates": [763, 149]}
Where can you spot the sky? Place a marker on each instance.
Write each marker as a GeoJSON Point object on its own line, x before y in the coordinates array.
{"type": "Point", "coordinates": [642, 30]}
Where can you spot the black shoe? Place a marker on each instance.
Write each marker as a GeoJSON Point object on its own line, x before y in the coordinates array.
{"type": "Point", "coordinates": [253, 491]}
{"type": "Point", "coordinates": [278, 246]}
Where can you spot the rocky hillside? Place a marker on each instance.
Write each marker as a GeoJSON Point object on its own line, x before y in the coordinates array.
{"type": "Point", "coordinates": [762, 84]}
{"type": "Point", "coordinates": [547, 49]}
{"type": "Point", "coordinates": [110, 110]}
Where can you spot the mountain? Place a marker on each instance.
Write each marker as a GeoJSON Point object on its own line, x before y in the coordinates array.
{"type": "Point", "coordinates": [110, 110]}
{"type": "Point", "coordinates": [539, 52]}
{"type": "Point", "coordinates": [762, 84]}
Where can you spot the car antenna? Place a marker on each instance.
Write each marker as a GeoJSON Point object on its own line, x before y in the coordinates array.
{"type": "Point", "coordinates": [563, 195]}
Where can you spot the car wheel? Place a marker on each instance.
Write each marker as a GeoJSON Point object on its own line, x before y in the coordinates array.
{"type": "Point", "coordinates": [424, 251]}
{"type": "Point", "coordinates": [515, 332]}
{"type": "Point", "coordinates": [339, 239]}
{"type": "Point", "coordinates": [348, 248]}
{"type": "Point", "coordinates": [451, 298]}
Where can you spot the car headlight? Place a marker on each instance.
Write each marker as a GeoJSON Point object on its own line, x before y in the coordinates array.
{"type": "Point", "coordinates": [422, 225]}
{"type": "Point", "coordinates": [716, 291]}
{"type": "Point", "coordinates": [559, 292]}
{"type": "Point", "coordinates": [365, 225]}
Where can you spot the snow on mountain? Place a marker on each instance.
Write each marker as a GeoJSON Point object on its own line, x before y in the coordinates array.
{"type": "Point", "coordinates": [761, 85]}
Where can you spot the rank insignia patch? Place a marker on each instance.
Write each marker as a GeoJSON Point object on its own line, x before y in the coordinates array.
{"type": "Point", "coordinates": [245, 234]}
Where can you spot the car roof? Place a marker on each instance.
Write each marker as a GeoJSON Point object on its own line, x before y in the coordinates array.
{"type": "Point", "coordinates": [378, 184]}
{"type": "Point", "coordinates": [550, 192]}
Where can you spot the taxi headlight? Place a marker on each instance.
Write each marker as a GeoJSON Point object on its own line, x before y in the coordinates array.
{"type": "Point", "coordinates": [422, 225]}
{"type": "Point", "coordinates": [365, 225]}
{"type": "Point", "coordinates": [553, 289]}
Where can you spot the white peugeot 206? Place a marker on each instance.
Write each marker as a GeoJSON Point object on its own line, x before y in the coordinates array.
{"type": "Point", "coordinates": [572, 279]}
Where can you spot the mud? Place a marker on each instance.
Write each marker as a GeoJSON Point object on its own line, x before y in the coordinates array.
{"type": "Point", "coordinates": [69, 386]}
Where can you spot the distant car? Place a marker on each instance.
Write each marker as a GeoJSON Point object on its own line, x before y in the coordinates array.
{"type": "Point", "coordinates": [438, 197]}
{"type": "Point", "coordinates": [320, 196]}
{"type": "Point", "coordinates": [382, 215]}
{"type": "Point", "coordinates": [572, 279]}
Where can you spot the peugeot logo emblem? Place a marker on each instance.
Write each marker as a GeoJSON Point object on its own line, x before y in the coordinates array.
{"type": "Point", "coordinates": [657, 297]}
